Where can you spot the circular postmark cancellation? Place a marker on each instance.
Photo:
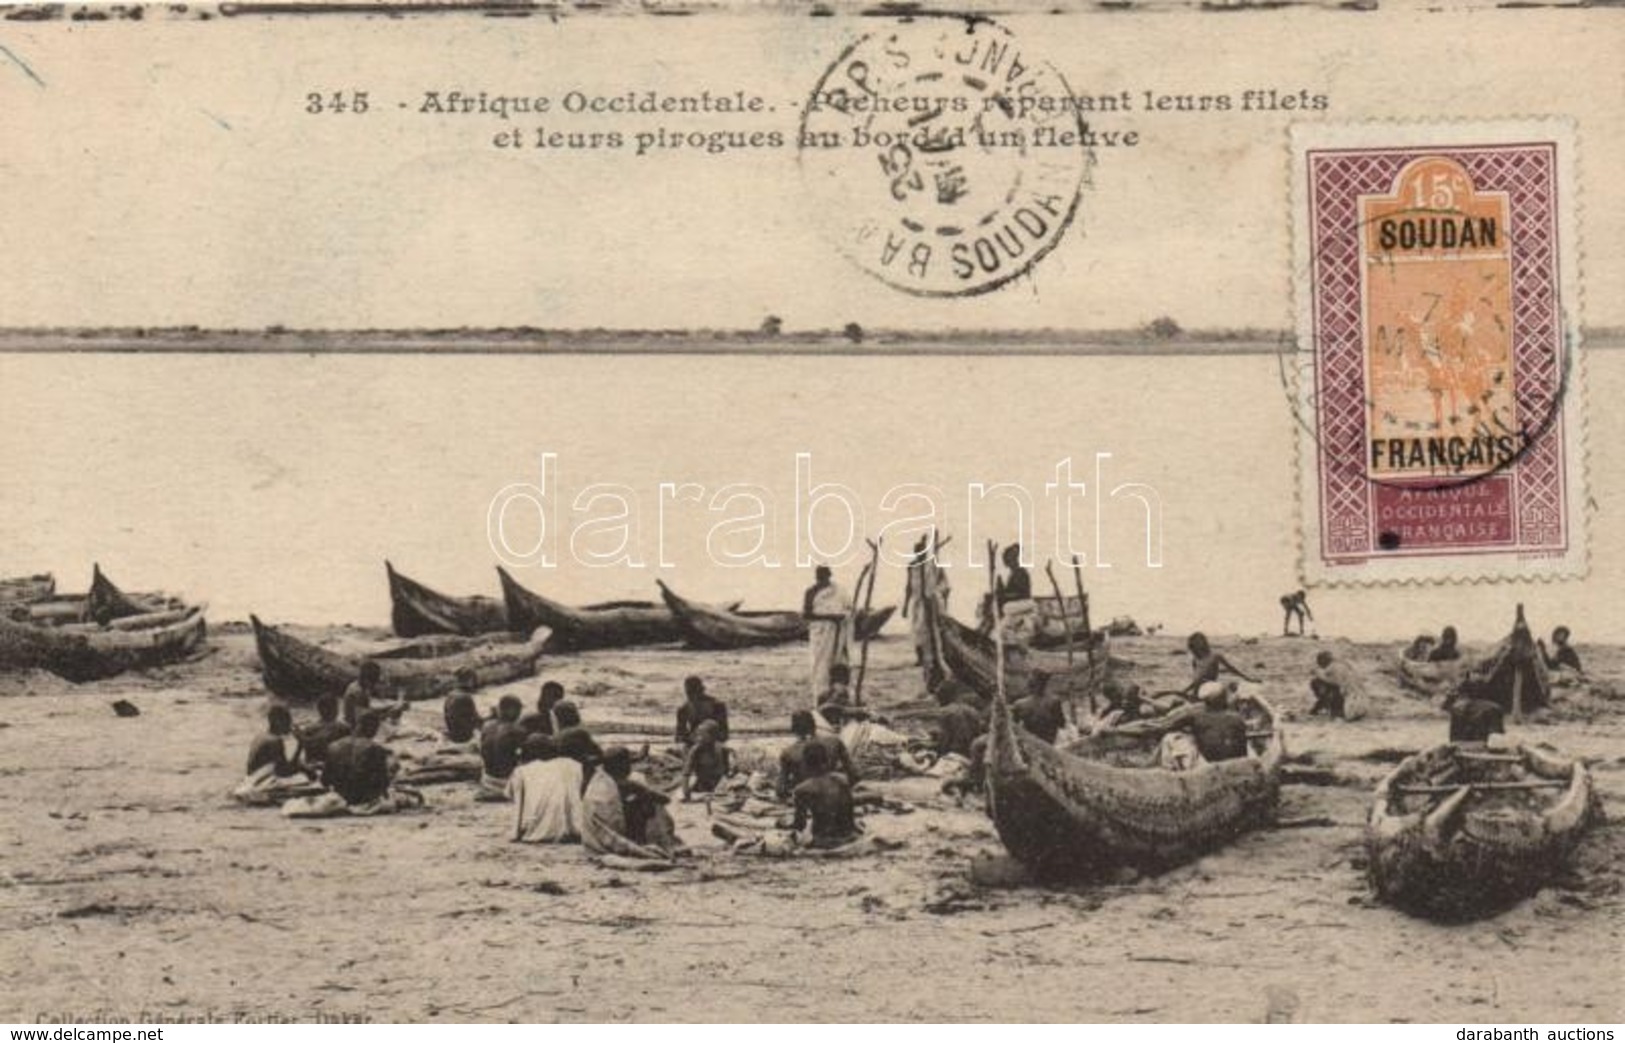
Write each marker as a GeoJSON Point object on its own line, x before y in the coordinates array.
{"type": "Point", "coordinates": [947, 160]}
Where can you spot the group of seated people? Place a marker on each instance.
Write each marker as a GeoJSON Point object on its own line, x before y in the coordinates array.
{"type": "Point", "coordinates": [354, 770]}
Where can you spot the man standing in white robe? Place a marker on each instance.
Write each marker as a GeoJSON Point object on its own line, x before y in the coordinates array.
{"type": "Point", "coordinates": [828, 612]}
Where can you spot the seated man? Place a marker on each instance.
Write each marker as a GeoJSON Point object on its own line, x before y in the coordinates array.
{"type": "Point", "coordinates": [546, 795]}
{"type": "Point", "coordinates": [647, 820]}
{"type": "Point", "coordinates": [958, 728]}
{"type": "Point", "coordinates": [604, 824]}
{"type": "Point", "coordinates": [698, 707]}
{"type": "Point", "coordinates": [358, 768]}
{"type": "Point", "coordinates": [1565, 658]}
{"type": "Point", "coordinates": [1447, 650]}
{"type": "Point", "coordinates": [462, 716]}
{"type": "Point", "coordinates": [707, 763]}
{"type": "Point", "coordinates": [278, 748]}
{"type": "Point", "coordinates": [1473, 717]}
{"type": "Point", "coordinates": [1042, 714]}
{"type": "Point", "coordinates": [1220, 733]}
{"type": "Point", "coordinates": [276, 765]}
{"type": "Point", "coordinates": [792, 761]}
{"type": "Point", "coordinates": [367, 690]}
{"type": "Point", "coordinates": [500, 742]}
{"type": "Point", "coordinates": [578, 744]}
{"type": "Point", "coordinates": [824, 802]}
{"type": "Point", "coordinates": [542, 722]}
{"type": "Point", "coordinates": [327, 730]}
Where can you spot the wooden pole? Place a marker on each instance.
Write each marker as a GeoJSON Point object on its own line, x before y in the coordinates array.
{"type": "Point", "coordinates": [868, 600]}
{"type": "Point", "coordinates": [998, 623]}
{"type": "Point", "coordinates": [1088, 631]}
{"type": "Point", "coordinates": [1066, 621]}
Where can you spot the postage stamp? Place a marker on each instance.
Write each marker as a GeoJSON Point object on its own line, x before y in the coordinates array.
{"type": "Point", "coordinates": [949, 160]}
{"type": "Point", "coordinates": [1439, 388]}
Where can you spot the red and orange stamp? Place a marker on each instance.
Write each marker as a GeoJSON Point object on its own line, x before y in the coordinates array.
{"type": "Point", "coordinates": [1438, 329]}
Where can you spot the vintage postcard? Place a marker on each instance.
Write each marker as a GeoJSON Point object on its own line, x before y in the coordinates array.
{"type": "Point", "coordinates": [745, 513]}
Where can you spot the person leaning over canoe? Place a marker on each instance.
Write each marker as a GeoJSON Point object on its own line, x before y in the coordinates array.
{"type": "Point", "coordinates": [500, 741]}
{"type": "Point", "coordinates": [828, 612]}
{"type": "Point", "coordinates": [327, 730]}
{"type": "Point", "coordinates": [699, 707]}
{"type": "Point", "coordinates": [542, 722]}
{"type": "Point", "coordinates": [461, 715]}
{"type": "Point", "coordinates": [1220, 732]}
{"type": "Point", "coordinates": [1206, 665]}
{"type": "Point", "coordinates": [1124, 705]}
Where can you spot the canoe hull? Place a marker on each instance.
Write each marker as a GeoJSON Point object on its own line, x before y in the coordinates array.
{"type": "Point", "coordinates": [86, 653]}
{"type": "Point", "coordinates": [23, 589]}
{"type": "Point", "coordinates": [419, 611]}
{"type": "Point", "coordinates": [300, 672]}
{"type": "Point", "coordinates": [718, 629]}
{"type": "Point", "coordinates": [1066, 815]}
{"type": "Point", "coordinates": [617, 625]}
{"type": "Point", "coordinates": [969, 655]}
{"type": "Point", "coordinates": [1475, 862]}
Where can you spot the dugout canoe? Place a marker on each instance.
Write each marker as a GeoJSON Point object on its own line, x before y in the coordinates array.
{"type": "Point", "coordinates": [104, 604]}
{"type": "Point", "coordinates": [610, 624]}
{"type": "Point", "coordinates": [300, 671]}
{"type": "Point", "coordinates": [1431, 679]}
{"type": "Point", "coordinates": [91, 652]}
{"type": "Point", "coordinates": [1462, 831]}
{"type": "Point", "coordinates": [709, 627]}
{"type": "Point", "coordinates": [418, 611]}
{"type": "Point", "coordinates": [968, 654]}
{"type": "Point", "coordinates": [1101, 803]}
{"type": "Point", "coordinates": [22, 589]}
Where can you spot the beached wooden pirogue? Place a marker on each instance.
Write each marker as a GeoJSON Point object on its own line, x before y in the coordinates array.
{"type": "Point", "coordinates": [417, 610]}
{"type": "Point", "coordinates": [299, 671]}
{"type": "Point", "coordinates": [609, 624]}
{"type": "Point", "coordinates": [710, 627]}
{"type": "Point", "coordinates": [969, 655]}
{"type": "Point", "coordinates": [107, 633]}
{"type": "Point", "coordinates": [1102, 803]}
{"type": "Point", "coordinates": [1461, 831]}
{"type": "Point", "coordinates": [23, 589]}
